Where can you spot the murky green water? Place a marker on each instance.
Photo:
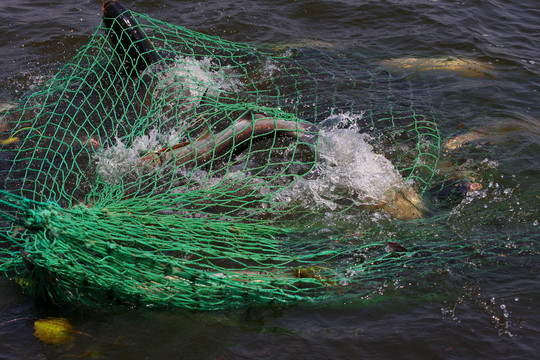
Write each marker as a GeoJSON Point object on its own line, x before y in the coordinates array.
{"type": "Point", "coordinates": [479, 306]}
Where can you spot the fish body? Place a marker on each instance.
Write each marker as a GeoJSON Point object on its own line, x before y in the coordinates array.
{"type": "Point", "coordinates": [211, 147]}
{"type": "Point", "coordinates": [465, 67]}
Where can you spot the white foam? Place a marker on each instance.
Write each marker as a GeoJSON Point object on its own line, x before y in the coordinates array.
{"type": "Point", "coordinates": [349, 171]}
{"type": "Point", "coordinates": [114, 162]}
{"type": "Point", "coordinates": [196, 76]}
{"type": "Point", "coordinates": [186, 80]}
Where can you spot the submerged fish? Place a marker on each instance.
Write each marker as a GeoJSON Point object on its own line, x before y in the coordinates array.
{"type": "Point", "coordinates": [4, 106]}
{"type": "Point", "coordinates": [465, 67]}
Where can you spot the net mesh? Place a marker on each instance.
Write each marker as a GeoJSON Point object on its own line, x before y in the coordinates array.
{"type": "Point", "coordinates": [165, 174]}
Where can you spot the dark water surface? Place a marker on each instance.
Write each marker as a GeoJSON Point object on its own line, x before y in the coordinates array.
{"type": "Point", "coordinates": [491, 314]}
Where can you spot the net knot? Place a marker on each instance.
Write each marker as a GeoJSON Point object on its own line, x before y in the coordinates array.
{"type": "Point", "coordinates": [40, 219]}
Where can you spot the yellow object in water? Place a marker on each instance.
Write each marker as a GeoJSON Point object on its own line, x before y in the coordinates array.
{"type": "Point", "coordinates": [9, 140]}
{"type": "Point", "coordinates": [465, 67]}
{"type": "Point", "coordinates": [22, 282]}
{"type": "Point", "coordinates": [13, 138]}
{"type": "Point", "coordinates": [54, 331]}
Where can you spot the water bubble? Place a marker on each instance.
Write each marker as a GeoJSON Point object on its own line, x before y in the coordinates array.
{"type": "Point", "coordinates": [516, 299]}
{"type": "Point", "coordinates": [535, 223]}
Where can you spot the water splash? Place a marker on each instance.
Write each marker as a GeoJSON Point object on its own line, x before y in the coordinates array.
{"type": "Point", "coordinates": [351, 173]}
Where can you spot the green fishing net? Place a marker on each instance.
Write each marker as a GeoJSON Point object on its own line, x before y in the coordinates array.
{"type": "Point", "coordinates": [180, 176]}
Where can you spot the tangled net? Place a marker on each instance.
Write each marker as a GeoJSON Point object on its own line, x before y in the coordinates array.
{"type": "Point", "coordinates": [159, 167]}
